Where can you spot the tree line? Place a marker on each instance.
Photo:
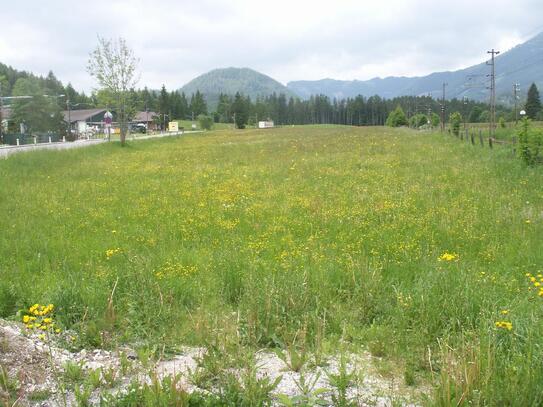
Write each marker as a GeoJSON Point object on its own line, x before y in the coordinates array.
{"type": "Point", "coordinates": [358, 111]}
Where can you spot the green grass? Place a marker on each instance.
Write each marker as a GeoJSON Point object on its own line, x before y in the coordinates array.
{"type": "Point", "coordinates": [300, 237]}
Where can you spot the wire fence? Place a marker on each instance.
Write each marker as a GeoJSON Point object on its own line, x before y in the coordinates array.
{"type": "Point", "coordinates": [478, 136]}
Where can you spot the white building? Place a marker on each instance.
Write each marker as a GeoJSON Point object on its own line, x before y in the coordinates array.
{"type": "Point", "coordinates": [265, 125]}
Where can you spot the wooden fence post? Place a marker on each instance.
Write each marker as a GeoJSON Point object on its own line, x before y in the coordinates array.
{"type": "Point", "coordinates": [472, 139]}
{"type": "Point", "coordinates": [490, 141]}
{"type": "Point", "coordinates": [481, 138]}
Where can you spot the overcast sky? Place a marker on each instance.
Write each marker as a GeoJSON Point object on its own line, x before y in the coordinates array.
{"type": "Point", "coordinates": [286, 39]}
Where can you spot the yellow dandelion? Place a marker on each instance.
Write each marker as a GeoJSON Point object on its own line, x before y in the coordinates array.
{"type": "Point", "coordinates": [448, 256]}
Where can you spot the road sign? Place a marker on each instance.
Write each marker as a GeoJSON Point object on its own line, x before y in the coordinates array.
{"type": "Point", "coordinates": [108, 118]}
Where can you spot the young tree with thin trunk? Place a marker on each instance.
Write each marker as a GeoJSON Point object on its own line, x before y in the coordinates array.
{"type": "Point", "coordinates": [113, 64]}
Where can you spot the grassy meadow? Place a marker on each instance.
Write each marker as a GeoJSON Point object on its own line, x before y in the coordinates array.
{"type": "Point", "coordinates": [424, 250]}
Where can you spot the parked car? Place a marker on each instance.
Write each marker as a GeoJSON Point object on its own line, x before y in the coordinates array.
{"type": "Point", "coordinates": [138, 128]}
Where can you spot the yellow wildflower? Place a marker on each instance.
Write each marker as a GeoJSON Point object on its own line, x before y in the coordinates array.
{"type": "Point", "coordinates": [448, 257]}
{"type": "Point", "coordinates": [504, 325]}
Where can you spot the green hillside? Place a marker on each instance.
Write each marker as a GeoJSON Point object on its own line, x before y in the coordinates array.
{"type": "Point", "coordinates": [232, 80]}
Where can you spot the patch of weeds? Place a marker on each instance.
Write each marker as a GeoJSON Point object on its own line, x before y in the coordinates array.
{"type": "Point", "coordinates": [110, 377]}
{"type": "Point", "coordinates": [4, 345]}
{"type": "Point", "coordinates": [341, 381]}
{"type": "Point", "coordinates": [310, 394]}
{"type": "Point", "coordinates": [73, 373]}
{"type": "Point", "coordinates": [208, 369]}
{"type": "Point", "coordinates": [215, 364]}
{"type": "Point", "coordinates": [145, 356]}
{"type": "Point", "coordinates": [293, 358]}
{"type": "Point", "coordinates": [82, 395]}
{"type": "Point", "coordinates": [409, 376]}
{"type": "Point", "coordinates": [39, 395]}
{"type": "Point", "coordinates": [167, 392]}
{"type": "Point", "coordinates": [8, 388]}
{"type": "Point", "coordinates": [126, 364]}
{"type": "Point", "coordinates": [319, 358]}
{"type": "Point", "coordinates": [94, 378]}
{"type": "Point", "coordinates": [249, 389]}
{"type": "Point", "coordinates": [378, 338]}
{"type": "Point", "coordinates": [385, 368]}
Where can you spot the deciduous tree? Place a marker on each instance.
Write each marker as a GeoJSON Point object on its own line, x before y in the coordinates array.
{"type": "Point", "coordinates": [113, 64]}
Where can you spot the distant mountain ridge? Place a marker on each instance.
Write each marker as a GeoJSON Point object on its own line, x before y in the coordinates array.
{"type": "Point", "coordinates": [521, 64]}
{"type": "Point", "coordinates": [231, 80]}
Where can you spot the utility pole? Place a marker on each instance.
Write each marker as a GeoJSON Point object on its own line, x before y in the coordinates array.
{"type": "Point", "coordinates": [146, 116]}
{"type": "Point", "coordinates": [516, 90]}
{"type": "Point", "coordinates": [465, 100]}
{"type": "Point", "coordinates": [68, 108]}
{"type": "Point", "coordinates": [492, 91]}
{"type": "Point", "coordinates": [443, 108]}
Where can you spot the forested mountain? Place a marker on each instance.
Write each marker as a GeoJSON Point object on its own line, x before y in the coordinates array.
{"type": "Point", "coordinates": [521, 64]}
{"type": "Point", "coordinates": [228, 81]}
{"type": "Point", "coordinates": [13, 82]}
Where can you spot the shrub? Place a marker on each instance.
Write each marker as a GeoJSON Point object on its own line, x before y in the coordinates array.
{"type": "Point", "coordinates": [434, 119]}
{"type": "Point", "coordinates": [530, 143]}
{"type": "Point", "coordinates": [418, 120]}
{"type": "Point", "coordinates": [397, 118]}
{"type": "Point", "coordinates": [456, 120]}
{"type": "Point", "coordinates": [206, 122]}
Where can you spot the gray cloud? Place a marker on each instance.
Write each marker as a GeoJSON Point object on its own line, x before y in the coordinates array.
{"type": "Point", "coordinates": [286, 39]}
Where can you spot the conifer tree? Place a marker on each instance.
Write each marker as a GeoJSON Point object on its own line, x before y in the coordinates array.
{"type": "Point", "coordinates": [533, 103]}
{"type": "Point", "coordinates": [198, 104]}
{"type": "Point", "coordinates": [164, 101]}
{"type": "Point", "coordinates": [240, 108]}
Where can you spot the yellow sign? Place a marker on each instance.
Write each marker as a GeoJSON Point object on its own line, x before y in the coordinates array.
{"type": "Point", "coordinates": [173, 126]}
